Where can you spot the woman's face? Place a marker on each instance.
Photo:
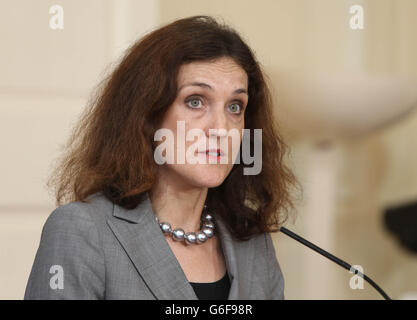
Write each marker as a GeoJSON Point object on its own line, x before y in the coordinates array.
{"type": "Point", "coordinates": [211, 95]}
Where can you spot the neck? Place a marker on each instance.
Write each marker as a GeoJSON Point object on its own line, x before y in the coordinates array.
{"type": "Point", "coordinates": [180, 207]}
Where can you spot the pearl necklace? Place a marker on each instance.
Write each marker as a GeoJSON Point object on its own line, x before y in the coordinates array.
{"type": "Point", "coordinates": [201, 236]}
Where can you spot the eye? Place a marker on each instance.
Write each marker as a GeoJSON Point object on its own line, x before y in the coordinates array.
{"type": "Point", "coordinates": [193, 103]}
{"type": "Point", "coordinates": [236, 108]}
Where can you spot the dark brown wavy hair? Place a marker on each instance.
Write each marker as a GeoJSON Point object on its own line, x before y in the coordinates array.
{"type": "Point", "coordinates": [111, 147]}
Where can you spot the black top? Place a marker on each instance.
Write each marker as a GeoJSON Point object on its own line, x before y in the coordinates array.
{"type": "Point", "coordinates": [217, 290]}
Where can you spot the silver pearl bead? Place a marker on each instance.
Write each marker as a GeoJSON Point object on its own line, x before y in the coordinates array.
{"type": "Point", "coordinates": [190, 237]}
{"type": "Point", "coordinates": [208, 217]}
{"type": "Point", "coordinates": [166, 227]}
{"type": "Point", "coordinates": [178, 234]}
{"type": "Point", "coordinates": [201, 237]}
{"type": "Point", "coordinates": [208, 225]}
{"type": "Point", "coordinates": [208, 232]}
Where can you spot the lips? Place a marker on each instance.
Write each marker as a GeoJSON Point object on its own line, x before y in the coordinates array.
{"type": "Point", "coordinates": [214, 152]}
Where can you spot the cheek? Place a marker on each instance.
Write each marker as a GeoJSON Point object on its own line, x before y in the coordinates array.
{"type": "Point", "coordinates": [175, 112]}
{"type": "Point", "coordinates": [170, 121]}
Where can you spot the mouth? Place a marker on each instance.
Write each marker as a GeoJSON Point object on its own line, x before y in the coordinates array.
{"type": "Point", "coordinates": [213, 153]}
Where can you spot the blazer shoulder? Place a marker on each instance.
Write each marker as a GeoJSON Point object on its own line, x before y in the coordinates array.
{"type": "Point", "coordinates": [97, 207]}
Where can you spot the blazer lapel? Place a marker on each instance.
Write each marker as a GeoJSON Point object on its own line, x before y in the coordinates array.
{"type": "Point", "coordinates": [239, 256]}
{"type": "Point", "coordinates": [146, 246]}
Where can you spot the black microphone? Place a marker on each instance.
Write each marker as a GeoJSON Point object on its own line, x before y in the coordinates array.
{"type": "Point", "coordinates": [334, 259]}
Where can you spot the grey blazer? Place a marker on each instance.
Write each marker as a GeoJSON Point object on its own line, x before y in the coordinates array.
{"type": "Point", "coordinates": [99, 250]}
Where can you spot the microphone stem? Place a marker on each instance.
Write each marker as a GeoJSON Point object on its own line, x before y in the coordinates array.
{"type": "Point", "coordinates": [334, 259]}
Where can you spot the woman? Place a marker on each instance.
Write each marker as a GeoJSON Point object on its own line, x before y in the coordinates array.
{"type": "Point", "coordinates": [133, 228]}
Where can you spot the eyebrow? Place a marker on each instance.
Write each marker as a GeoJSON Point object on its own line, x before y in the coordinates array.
{"type": "Point", "coordinates": [205, 85]}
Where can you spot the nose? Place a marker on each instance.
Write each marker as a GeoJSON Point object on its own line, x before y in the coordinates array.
{"type": "Point", "coordinates": [217, 126]}
{"type": "Point", "coordinates": [218, 132]}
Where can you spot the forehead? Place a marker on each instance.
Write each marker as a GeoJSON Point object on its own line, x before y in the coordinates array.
{"type": "Point", "coordinates": [221, 72]}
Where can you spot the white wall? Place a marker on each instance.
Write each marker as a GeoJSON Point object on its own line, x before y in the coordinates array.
{"type": "Point", "coordinates": [46, 78]}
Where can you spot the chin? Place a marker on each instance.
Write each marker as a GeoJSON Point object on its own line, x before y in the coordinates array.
{"type": "Point", "coordinates": [209, 178]}
{"type": "Point", "coordinates": [212, 184]}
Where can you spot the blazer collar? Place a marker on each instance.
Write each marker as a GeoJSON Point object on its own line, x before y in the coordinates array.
{"type": "Point", "coordinates": [140, 235]}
